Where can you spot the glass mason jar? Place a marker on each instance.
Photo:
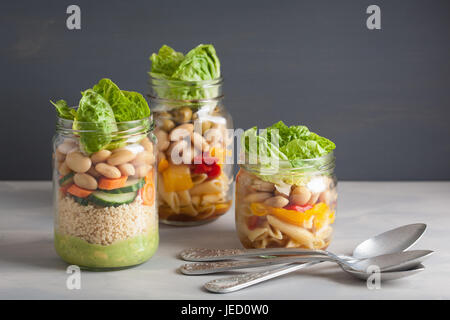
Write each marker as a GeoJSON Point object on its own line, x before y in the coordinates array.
{"type": "Point", "coordinates": [287, 207]}
{"type": "Point", "coordinates": [105, 211]}
{"type": "Point", "coordinates": [194, 144]}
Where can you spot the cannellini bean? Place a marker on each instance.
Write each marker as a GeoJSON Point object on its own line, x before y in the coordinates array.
{"type": "Point", "coordinates": [314, 198]}
{"type": "Point", "coordinates": [300, 195]}
{"type": "Point", "coordinates": [142, 170]}
{"type": "Point", "coordinates": [126, 169]}
{"type": "Point", "coordinates": [213, 135]}
{"type": "Point", "coordinates": [181, 132]}
{"type": "Point", "coordinates": [163, 140]}
{"type": "Point", "coordinates": [77, 162]}
{"type": "Point", "coordinates": [277, 202]}
{"type": "Point", "coordinates": [63, 169]}
{"type": "Point", "coordinates": [60, 157]}
{"type": "Point", "coordinates": [100, 156]}
{"type": "Point", "coordinates": [108, 171]}
{"type": "Point", "coordinates": [199, 142]}
{"type": "Point", "coordinates": [143, 157]}
{"type": "Point", "coordinates": [66, 146]}
{"type": "Point", "coordinates": [147, 144]}
{"type": "Point", "coordinates": [257, 196]}
{"type": "Point", "coordinates": [93, 172]}
{"type": "Point", "coordinates": [180, 152]}
{"type": "Point", "coordinates": [121, 157]}
{"type": "Point", "coordinates": [259, 185]}
{"type": "Point", "coordinates": [85, 181]}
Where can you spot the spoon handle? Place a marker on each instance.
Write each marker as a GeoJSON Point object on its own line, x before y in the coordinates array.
{"type": "Point", "coordinates": [198, 268]}
{"type": "Point", "coordinates": [205, 254]}
{"type": "Point", "coordinates": [235, 283]}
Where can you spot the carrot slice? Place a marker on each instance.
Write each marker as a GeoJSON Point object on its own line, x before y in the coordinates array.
{"type": "Point", "coordinates": [110, 184]}
{"type": "Point", "coordinates": [148, 191]}
{"type": "Point", "coordinates": [79, 192]}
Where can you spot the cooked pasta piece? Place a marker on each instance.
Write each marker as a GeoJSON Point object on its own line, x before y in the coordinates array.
{"type": "Point", "coordinates": [170, 198]}
{"type": "Point", "coordinates": [184, 197]}
{"type": "Point", "coordinates": [198, 178]}
{"type": "Point", "coordinates": [212, 198]}
{"type": "Point", "coordinates": [209, 186]}
{"type": "Point", "coordinates": [300, 235]}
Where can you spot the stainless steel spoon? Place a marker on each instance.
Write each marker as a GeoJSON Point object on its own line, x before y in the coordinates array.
{"type": "Point", "coordinates": [388, 262]}
{"type": "Point", "coordinates": [390, 240]}
{"type": "Point", "coordinates": [395, 240]}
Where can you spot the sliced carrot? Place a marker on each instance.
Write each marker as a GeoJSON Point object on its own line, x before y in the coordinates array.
{"type": "Point", "coordinates": [78, 192]}
{"type": "Point", "coordinates": [110, 184]}
{"type": "Point", "coordinates": [63, 189]}
{"type": "Point", "coordinates": [148, 193]}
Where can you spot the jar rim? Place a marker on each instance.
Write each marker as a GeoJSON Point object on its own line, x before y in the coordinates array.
{"type": "Point", "coordinates": [324, 163]}
{"type": "Point", "coordinates": [215, 81]}
{"type": "Point", "coordinates": [128, 127]}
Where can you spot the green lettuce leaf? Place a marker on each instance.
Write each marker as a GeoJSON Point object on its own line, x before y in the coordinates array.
{"type": "Point", "coordinates": [63, 110]}
{"type": "Point", "coordinates": [201, 63]}
{"type": "Point", "coordinates": [141, 108]}
{"type": "Point", "coordinates": [295, 144]}
{"type": "Point", "coordinates": [94, 114]}
{"type": "Point", "coordinates": [126, 105]}
{"type": "Point", "coordinates": [165, 62]}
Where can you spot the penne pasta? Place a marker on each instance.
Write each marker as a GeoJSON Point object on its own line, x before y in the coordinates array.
{"type": "Point", "coordinates": [210, 186]}
{"type": "Point", "coordinates": [300, 235]}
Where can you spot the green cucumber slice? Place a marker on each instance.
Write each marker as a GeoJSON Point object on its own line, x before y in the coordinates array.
{"type": "Point", "coordinates": [66, 180]}
{"type": "Point", "coordinates": [105, 199]}
{"type": "Point", "coordinates": [130, 186]}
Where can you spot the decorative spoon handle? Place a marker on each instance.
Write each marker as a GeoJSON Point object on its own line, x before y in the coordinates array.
{"type": "Point", "coordinates": [235, 283]}
{"type": "Point", "coordinates": [204, 254]}
{"type": "Point", "coordinates": [198, 268]}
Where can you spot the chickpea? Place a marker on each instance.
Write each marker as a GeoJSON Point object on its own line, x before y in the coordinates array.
{"type": "Point", "coordinates": [300, 195]}
{"type": "Point", "coordinates": [167, 125]}
{"type": "Point", "coordinates": [183, 115]}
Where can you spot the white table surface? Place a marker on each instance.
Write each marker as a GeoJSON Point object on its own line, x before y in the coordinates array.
{"type": "Point", "coordinates": [30, 268]}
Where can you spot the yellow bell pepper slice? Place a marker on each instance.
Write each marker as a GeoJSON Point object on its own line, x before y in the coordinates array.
{"type": "Point", "coordinates": [320, 213]}
{"type": "Point", "coordinates": [177, 178]}
{"type": "Point", "coordinates": [163, 165]}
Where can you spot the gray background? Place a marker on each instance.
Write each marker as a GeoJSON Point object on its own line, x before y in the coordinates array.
{"type": "Point", "coordinates": [383, 96]}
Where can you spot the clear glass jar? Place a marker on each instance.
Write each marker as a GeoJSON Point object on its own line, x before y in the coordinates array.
{"type": "Point", "coordinates": [194, 145]}
{"type": "Point", "coordinates": [104, 202]}
{"type": "Point", "coordinates": [287, 207]}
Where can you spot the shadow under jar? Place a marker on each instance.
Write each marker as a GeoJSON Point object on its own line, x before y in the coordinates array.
{"type": "Point", "coordinates": [194, 143]}
{"type": "Point", "coordinates": [104, 202]}
{"type": "Point", "coordinates": [287, 207]}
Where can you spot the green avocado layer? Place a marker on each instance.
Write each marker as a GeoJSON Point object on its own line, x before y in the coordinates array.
{"type": "Point", "coordinates": [120, 254]}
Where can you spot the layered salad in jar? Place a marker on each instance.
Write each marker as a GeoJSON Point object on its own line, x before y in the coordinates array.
{"type": "Point", "coordinates": [285, 189]}
{"type": "Point", "coordinates": [104, 179]}
{"type": "Point", "coordinates": [193, 141]}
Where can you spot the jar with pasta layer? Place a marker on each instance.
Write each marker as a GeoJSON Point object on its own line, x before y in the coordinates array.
{"type": "Point", "coordinates": [104, 201]}
{"type": "Point", "coordinates": [287, 207]}
{"type": "Point", "coordinates": [194, 147]}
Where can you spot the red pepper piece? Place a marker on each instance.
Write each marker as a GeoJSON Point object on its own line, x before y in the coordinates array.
{"type": "Point", "coordinates": [298, 208]}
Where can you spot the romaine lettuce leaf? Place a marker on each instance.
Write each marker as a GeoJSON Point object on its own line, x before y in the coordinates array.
{"type": "Point", "coordinates": [63, 110]}
{"type": "Point", "coordinates": [294, 144]}
{"type": "Point", "coordinates": [165, 62]}
{"type": "Point", "coordinates": [126, 105]}
{"type": "Point", "coordinates": [94, 114]}
{"type": "Point", "coordinates": [201, 63]}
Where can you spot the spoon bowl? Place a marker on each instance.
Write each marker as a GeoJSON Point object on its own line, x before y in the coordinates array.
{"type": "Point", "coordinates": [389, 275]}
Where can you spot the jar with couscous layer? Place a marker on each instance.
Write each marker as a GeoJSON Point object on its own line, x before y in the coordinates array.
{"type": "Point", "coordinates": [104, 185]}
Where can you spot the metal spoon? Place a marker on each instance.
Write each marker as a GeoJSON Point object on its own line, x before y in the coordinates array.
{"type": "Point", "coordinates": [387, 262]}
{"type": "Point", "coordinates": [390, 240]}
{"type": "Point", "coordinates": [403, 238]}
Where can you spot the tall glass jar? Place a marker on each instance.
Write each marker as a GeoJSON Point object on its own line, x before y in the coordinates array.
{"type": "Point", "coordinates": [194, 144]}
{"type": "Point", "coordinates": [105, 211]}
{"type": "Point", "coordinates": [288, 207]}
